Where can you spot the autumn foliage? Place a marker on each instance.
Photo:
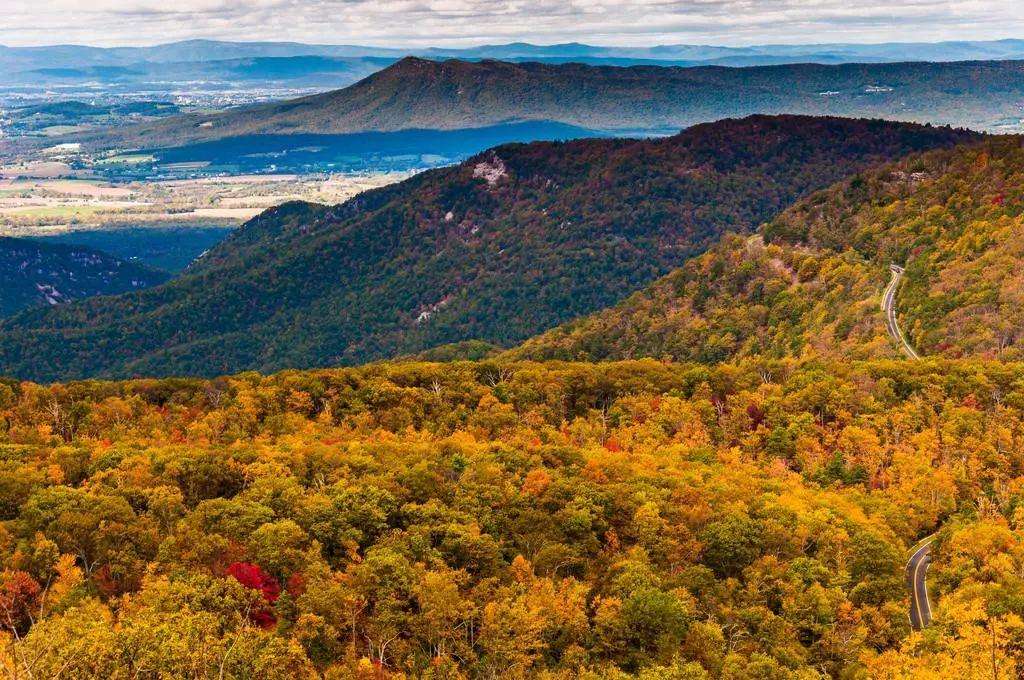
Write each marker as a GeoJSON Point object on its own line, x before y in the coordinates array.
{"type": "Point", "coordinates": [492, 519]}
{"type": "Point", "coordinates": [251, 576]}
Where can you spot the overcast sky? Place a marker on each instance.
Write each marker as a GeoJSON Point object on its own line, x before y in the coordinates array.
{"type": "Point", "coordinates": [461, 22]}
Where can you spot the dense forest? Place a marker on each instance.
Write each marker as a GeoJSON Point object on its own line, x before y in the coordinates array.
{"type": "Point", "coordinates": [510, 243]}
{"type": "Point", "coordinates": [811, 282]}
{"type": "Point", "coordinates": [639, 519]}
{"type": "Point", "coordinates": [957, 221]}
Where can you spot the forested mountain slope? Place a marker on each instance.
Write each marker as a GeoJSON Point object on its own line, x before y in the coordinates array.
{"type": "Point", "coordinates": [36, 274]}
{"type": "Point", "coordinates": [812, 282]}
{"type": "Point", "coordinates": [445, 95]}
{"type": "Point", "coordinates": [480, 520]}
{"type": "Point", "coordinates": [514, 241]}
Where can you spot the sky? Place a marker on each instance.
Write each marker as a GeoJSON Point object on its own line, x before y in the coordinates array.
{"type": "Point", "coordinates": [420, 23]}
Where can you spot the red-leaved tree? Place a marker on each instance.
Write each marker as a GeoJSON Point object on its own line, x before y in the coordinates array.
{"type": "Point", "coordinates": [251, 576]}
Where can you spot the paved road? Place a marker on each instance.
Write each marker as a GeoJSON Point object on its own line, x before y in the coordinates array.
{"type": "Point", "coordinates": [917, 566]}
{"type": "Point", "coordinates": [917, 570]}
{"type": "Point", "coordinates": [889, 307]}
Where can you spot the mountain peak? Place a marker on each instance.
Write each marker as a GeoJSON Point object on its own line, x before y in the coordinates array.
{"type": "Point", "coordinates": [411, 61]}
{"type": "Point", "coordinates": [416, 66]}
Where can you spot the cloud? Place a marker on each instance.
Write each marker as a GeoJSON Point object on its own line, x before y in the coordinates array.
{"type": "Point", "coordinates": [455, 22]}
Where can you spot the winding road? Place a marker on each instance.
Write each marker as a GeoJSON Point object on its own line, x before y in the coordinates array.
{"type": "Point", "coordinates": [917, 570]}
{"type": "Point", "coordinates": [921, 557]}
{"type": "Point", "coordinates": [889, 307]}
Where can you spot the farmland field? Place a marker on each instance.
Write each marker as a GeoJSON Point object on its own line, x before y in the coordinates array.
{"type": "Point", "coordinates": [163, 224]}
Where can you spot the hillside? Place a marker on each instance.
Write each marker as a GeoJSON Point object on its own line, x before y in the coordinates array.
{"type": "Point", "coordinates": [508, 244]}
{"type": "Point", "coordinates": [34, 274]}
{"type": "Point", "coordinates": [421, 94]}
{"type": "Point", "coordinates": [955, 219]}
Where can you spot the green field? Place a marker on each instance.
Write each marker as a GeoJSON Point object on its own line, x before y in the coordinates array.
{"type": "Point", "coordinates": [59, 211]}
{"type": "Point", "coordinates": [58, 130]}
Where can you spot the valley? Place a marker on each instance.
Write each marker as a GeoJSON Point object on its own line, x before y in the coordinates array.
{"type": "Point", "coordinates": [499, 248]}
{"type": "Point", "coordinates": [164, 224]}
{"type": "Point", "coordinates": [416, 113]}
{"type": "Point", "coordinates": [152, 228]}
{"type": "Point", "coordinates": [39, 206]}
{"type": "Point", "coordinates": [555, 362]}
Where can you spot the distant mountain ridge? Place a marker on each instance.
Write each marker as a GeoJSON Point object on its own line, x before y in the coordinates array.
{"type": "Point", "coordinates": [298, 71]}
{"type": "Point", "coordinates": [219, 64]}
{"type": "Point", "coordinates": [513, 241]}
{"type": "Point", "coordinates": [214, 50]}
{"type": "Point", "coordinates": [423, 94]}
{"type": "Point", "coordinates": [35, 274]}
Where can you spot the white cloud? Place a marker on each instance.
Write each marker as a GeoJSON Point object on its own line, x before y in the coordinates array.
{"type": "Point", "coordinates": [452, 22]}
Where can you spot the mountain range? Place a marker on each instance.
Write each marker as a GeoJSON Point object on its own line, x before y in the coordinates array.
{"type": "Point", "coordinates": [512, 242]}
{"type": "Point", "coordinates": [15, 59]}
{"type": "Point", "coordinates": [672, 436]}
{"type": "Point", "coordinates": [445, 95]}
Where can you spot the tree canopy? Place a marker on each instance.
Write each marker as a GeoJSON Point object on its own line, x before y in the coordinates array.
{"type": "Point", "coordinates": [484, 519]}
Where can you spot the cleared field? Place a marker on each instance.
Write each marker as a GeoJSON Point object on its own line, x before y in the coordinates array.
{"type": "Point", "coordinates": [129, 159]}
{"type": "Point", "coordinates": [228, 213]}
{"type": "Point", "coordinates": [40, 169]}
{"type": "Point", "coordinates": [233, 179]}
{"type": "Point", "coordinates": [69, 187]}
{"type": "Point", "coordinates": [57, 212]}
{"type": "Point", "coordinates": [250, 201]}
{"type": "Point", "coordinates": [56, 205]}
{"type": "Point", "coordinates": [58, 130]}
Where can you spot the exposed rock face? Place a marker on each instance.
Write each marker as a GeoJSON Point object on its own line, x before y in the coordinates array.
{"type": "Point", "coordinates": [34, 274]}
{"type": "Point", "coordinates": [491, 170]}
